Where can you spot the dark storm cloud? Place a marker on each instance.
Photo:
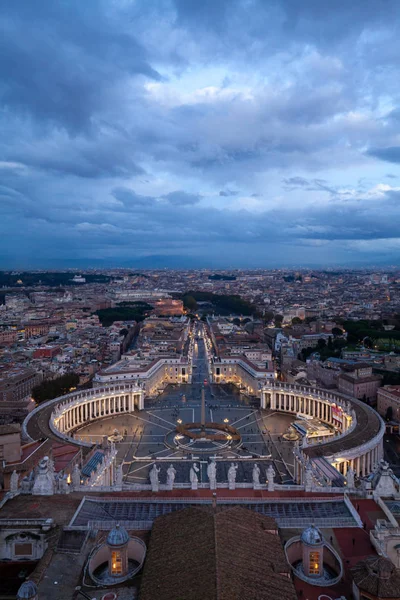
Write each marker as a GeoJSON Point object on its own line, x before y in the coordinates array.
{"type": "Point", "coordinates": [296, 182]}
{"type": "Point", "coordinates": [391, 154]}
{"type": "Point", "coordinates": [292, 183]}
{"type": "Point", "coordinates": [318, 20]}
{"type": "Point", "coordinates": [126, 126]}
{"type": "Point", "coordinates": [58, 60]}
{"type": "Point", "coordinates": [228, 193]}
{"type": "Point", "coordinates": [90, 163]}
{"type": "Point", "coordinates": [130, 199]}
{"type": "Point", "coordinates": [181, 198]}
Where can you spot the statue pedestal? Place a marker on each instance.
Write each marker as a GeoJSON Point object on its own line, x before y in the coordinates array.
{"type": "Point", "coordinates": [194, 485]}
{"type": "Point", "coordinates": [231, 485]}
{"type": "Point", "coordinates": [256, 486]}
{"type": "Point", "coordinates": [155, 487]}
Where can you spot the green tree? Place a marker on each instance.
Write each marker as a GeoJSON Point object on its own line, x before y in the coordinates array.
{"type": "Point", "coordinates": [190, 303]}
{"type": "Point", "coordinates": [389, 414]}
{"type": "Point", "coordinates": [309, 320]}
{"type": "Point", "coordinates": [268, 316]}
{"type": "Point", "coordinates": [296, 321]}
{"type": "Point", "coordinates": [278, 320]}
{"type": "Point", "coordinates": [51, 388]}
{"type": "Point", "coordinates": [337, 331]}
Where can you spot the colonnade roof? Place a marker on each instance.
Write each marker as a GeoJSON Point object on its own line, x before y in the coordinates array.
{"type": "Point", "coordinates": [367, 427]}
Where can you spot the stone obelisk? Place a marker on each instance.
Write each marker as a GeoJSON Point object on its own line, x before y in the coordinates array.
{"type": "Point", "coordinates": [203, 411]}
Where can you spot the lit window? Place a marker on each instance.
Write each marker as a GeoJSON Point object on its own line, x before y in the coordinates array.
{"type": "Point", "coordinates": [314, 563]}
{"type": "Point", "coordinates": [116, 563]}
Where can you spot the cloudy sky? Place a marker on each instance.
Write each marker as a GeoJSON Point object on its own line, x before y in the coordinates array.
{"type": "Point", "coordinates": [199, 133]}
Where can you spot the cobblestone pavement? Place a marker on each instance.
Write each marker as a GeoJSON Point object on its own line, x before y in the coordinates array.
{"type": "Point", "coordinates": [144, 436]}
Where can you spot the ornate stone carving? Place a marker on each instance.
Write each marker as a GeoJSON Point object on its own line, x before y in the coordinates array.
{"type": "Point", "coordinates": [44, 479]}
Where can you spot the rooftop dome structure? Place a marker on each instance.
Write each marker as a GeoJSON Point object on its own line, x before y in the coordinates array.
{"type": "Point", "coordinates": [27, 591]}
{"type": "Point", "coordinates": [314, 560]}
{"type": "Point", "coordinates": [117, 536]}
{"type": "Point", "coordinates": [376, 576]}
{"type": "Point", "coordinates": [312, 536]}
{"type": "Point", "coordinates": [380, 566]}
{"type": "Point", "coordinates": [117, 559]}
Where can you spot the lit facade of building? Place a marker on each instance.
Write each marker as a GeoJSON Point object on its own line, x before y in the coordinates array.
{"type": "Point", "coordinates": [151, 376]}
{"type": "Point", "coordinates": [242, 372]}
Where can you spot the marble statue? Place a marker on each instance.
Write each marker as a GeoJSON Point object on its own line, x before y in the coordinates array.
{"type": "Point", "coordinates": [350, 478]}
{"type": "Point", "coordinates": [256, 475]}
{"type": "Point", "coordinates": [212, 474]}
{"type": "Point", "coordinates": [119, 476]}
{"type": "Point", "coordinates": [14, 482]}
{"type": "Point", "coordinates": [194, 469]}
{"type": "Point", "coordinates": [308, 478]}
{"type": "Point", "coordinates": [270, 477]}
{"type": "Point", "coordinates": [51, 465]}
{"type": "Point", "coordinates": [154, 480]}
{"type": "Point", "coordinates": [171, 474]}
{"type": "Point", "coordinates": [76, 478]}
{"type": "Point", "coordinates": [63, 486]}
{"type": "Point", "coordinates": [44, 480]}
{"type": "Point", "coordinates": [25, 486]}
{"type": "Point", "coordinates": [232, 471]}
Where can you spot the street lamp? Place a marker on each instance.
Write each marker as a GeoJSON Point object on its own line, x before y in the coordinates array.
{"type": "Point", "coordinates": [179, 421]}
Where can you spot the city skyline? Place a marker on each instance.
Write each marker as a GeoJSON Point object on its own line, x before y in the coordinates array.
{"type": "Point", "coordinates": [185, 134]}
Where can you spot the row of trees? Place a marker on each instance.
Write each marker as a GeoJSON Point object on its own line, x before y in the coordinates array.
{"type": "Point", "coordinates": [357, 331]}
{"type": "Point", "coordinates": [51, 388]}
{"type": "Point", "coordinates": [332, 348]}
{"type": "Point", "coordinates": [224, 304]}
{"type": "Point", "coordinates": [125, 311]}
{"type": "Point", "coordinates": [10, 279]}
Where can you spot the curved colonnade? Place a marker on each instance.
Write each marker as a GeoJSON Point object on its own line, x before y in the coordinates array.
{"type": "Point", "coordinates": [76, 409]}
{"type": "Point", "coordinates": [358, 446]}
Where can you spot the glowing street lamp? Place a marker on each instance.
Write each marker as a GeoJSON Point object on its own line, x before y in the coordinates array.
{"type": "Point", "coordinates": [226, 420]}
{"type": "Point", "coordinates": [179, 421]}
